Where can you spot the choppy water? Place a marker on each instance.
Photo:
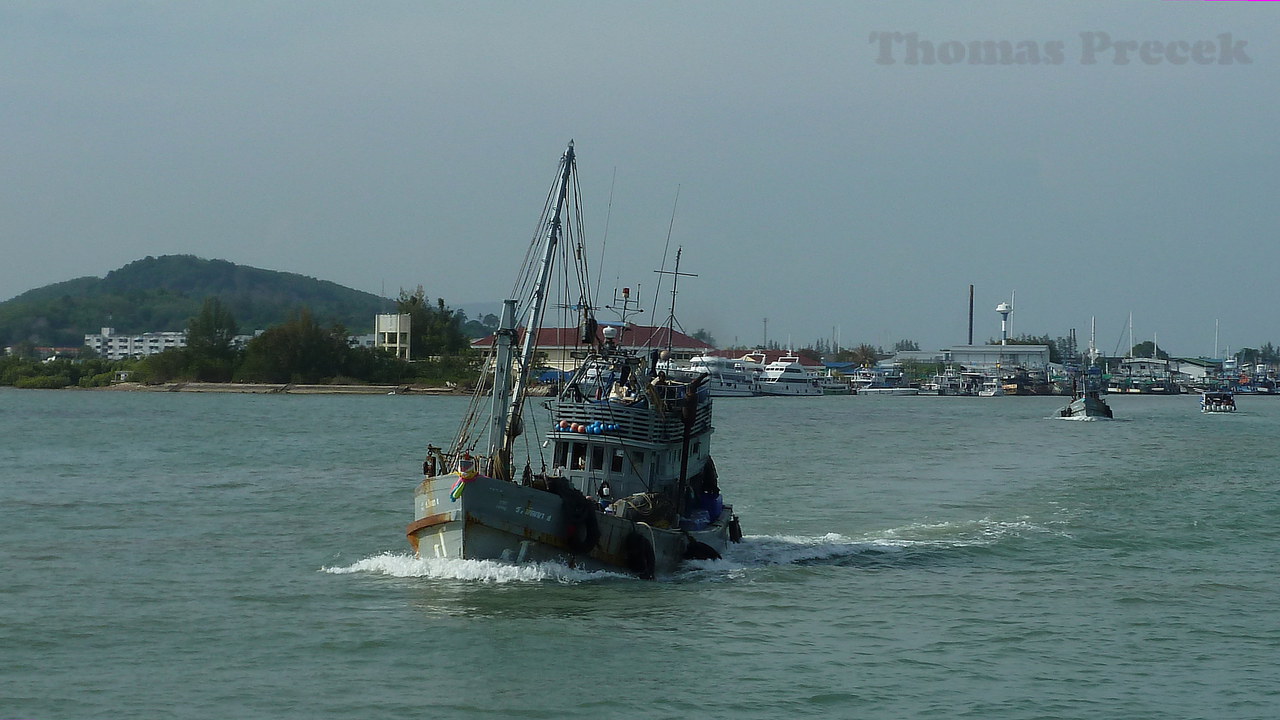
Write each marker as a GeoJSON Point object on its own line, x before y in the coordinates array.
{"type": "Point", "coordinates": [230, 556]}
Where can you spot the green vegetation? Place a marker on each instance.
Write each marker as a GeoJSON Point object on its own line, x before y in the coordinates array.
{"type": "Point", "coordinates": [298, 350]}
{"type": "Point", "coordinates": [162, 293]}
{"type": "Point", "coordinates": [25, 372]}
{"type": "Point", "coordinates": [1148, 349]}
{"type": "Point", "coordinates": [433, 330]}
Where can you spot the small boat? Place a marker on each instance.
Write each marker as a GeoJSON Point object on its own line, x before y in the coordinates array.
{"type": "Point", "coordinates": [1217, 402]}
{"type": "Point", "coordinates": [991, 387]}
{"type": "Point", "coordinates": [947, 382]}
{"type": "Point", "coordinates": [832, 383]}
{"type": "Point", "coordinates": [625, 479]}
{"type": "Point", "coordinates": [880, 381]}
{"type": "Point", "coordinates": [1087, 399]}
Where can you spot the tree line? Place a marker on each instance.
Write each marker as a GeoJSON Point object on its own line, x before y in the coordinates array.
{"type": "Point", "coordinates": [299, 350]}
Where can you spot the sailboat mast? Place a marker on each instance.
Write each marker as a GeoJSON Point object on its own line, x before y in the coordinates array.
{"type": "Point", "coordinates": [524, 363]}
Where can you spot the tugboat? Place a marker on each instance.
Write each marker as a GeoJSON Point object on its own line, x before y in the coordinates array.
{"type": "Point", "coordinates": [629, 485]}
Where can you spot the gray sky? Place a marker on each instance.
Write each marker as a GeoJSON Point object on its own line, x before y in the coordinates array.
{"type": "Point", "coordinates": [390, 144]}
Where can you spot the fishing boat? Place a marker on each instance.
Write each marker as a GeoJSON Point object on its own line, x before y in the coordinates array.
{"type": "Point", "coordinates": [1086, 401]}
{"type": "Point", "coordinates": [1217, 402]}
{"type": "Point", "coordinates": [624, 480]}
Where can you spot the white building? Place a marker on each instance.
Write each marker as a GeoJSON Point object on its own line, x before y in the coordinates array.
{"type": "Point", "coordinates": [112, 346]}
{"type": "Point", "coordinates": [1003, 356]}
{"type": "Point", "coordinates": [391, 331]}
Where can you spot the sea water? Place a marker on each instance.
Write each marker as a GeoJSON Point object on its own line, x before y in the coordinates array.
{"type": "Point", "coordinates": [185, 555]}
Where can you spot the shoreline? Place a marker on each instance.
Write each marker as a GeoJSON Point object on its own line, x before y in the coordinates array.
{"type": "Point", "coordinates": [281, 388]}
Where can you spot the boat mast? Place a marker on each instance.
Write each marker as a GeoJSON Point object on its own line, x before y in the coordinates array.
{"type": "Point", "coordinates": [1093, 350]}
{"type": "Point", "coordinates": [508, 425]}
{"type": "Point", "coordinates": [504, 344]}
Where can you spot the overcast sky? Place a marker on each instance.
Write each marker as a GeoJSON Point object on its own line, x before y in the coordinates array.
{"type": "Point", "coordinates": [825, 181]}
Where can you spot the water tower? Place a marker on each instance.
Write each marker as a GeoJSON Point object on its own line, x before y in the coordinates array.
{"type": "Point", "coordinates": [1004, 309]}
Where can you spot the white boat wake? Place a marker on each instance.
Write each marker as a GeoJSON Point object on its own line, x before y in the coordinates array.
{"type": "Point", "coordinates": [755, 551]}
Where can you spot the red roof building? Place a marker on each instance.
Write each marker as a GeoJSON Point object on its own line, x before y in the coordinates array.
{"type": "Point", "coordinates": [559, 344]}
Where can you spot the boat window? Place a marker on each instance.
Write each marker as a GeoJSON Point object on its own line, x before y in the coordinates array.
{"type": "Point", "coordinates": [562, 451]}
{"type": "Point", "coordinates": [579, 456]}
{"type": "Point", "coordinates": [637, 462]}
{"type": "Point", "coordinates": [597, 457]}
{"type": "Point", "coordinates": [616, 465]}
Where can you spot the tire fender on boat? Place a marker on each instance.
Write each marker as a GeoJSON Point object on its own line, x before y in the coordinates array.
{"type": "Point", "coordinates": [581, 528]}
{"type": "Point", "coordinates": [639, 554]}
{"type": "Point", "coordinates": [700, 551]}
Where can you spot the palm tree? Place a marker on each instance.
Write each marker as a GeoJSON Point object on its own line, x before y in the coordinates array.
{"type": "Point", "coordinates": [865, 355]}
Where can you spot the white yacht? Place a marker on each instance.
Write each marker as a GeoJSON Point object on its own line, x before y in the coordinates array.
{"type": "Point", "coordinates": [725, 377]}
{"type": "Point", "coordinates": [786, 376]}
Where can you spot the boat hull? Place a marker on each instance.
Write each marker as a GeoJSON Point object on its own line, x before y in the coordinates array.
{"type": "Point", "coordinates": [1090, 407]}
{"type": "Point", "coordinates": [504, 521]}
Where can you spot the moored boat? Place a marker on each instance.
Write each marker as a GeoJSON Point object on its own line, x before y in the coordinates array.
{"type": "Point", "coordinates": [629, 483]}
{"type": "Point", "coordinates": [833, 383]}
{"type": "Point", "coordinates": [725, 377]}
{"type": "Point", "coordinates": [786, 376]}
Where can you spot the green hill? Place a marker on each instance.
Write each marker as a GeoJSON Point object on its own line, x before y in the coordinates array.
{"type": "Point", "coordinates": [164, 293]}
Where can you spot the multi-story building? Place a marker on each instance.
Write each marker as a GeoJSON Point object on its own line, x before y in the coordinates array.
{"type": "Point", "coordinates": [391, 331]}
{"type": "Point", "coordinates": [113, 346]}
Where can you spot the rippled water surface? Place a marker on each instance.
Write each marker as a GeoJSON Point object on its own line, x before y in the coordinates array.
{"type": "Point", "coordinates": [197, 556]}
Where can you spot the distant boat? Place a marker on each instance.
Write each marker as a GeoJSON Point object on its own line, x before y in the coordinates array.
{"type": "Point", "coordinates": [1087, 401]}
{"type": "Point", "coordinates": [1217, 402]}
{"type": "Point", "coordinates": [880, 381]}
{"type": "Point", "coordinates": [991, 387]}
{"type": "Point", "coordinates": [786, 376]}
{"type": "Point", "coordinates": [833, 384]}
{"type": "Point", "coordinates": [948, 382]}
{"type": "Point", "coordinates": [725, 377]}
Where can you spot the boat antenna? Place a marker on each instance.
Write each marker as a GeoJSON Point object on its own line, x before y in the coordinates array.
{"type": "Point", "coordinates": [675, 281]}
{"type": "Point", "coordinates": [604, 243]}
{"type": "Point", "coordinates": [666, 247]}
{"type": "Point", "coordinates": [625, 305]}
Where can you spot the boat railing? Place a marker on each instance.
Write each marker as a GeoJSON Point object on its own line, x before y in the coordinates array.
{"type": "Point", "coordinates": [633, 422]}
